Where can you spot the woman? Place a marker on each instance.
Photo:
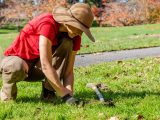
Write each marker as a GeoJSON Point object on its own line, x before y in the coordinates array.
{"type": "Point", "coordinates": [46, 48]}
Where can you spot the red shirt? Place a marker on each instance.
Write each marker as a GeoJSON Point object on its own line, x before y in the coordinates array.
{"type": "Point", "coordinates": [26, 45]}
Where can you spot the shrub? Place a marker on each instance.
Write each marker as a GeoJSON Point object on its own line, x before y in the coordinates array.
{"type": "Point", "coordinates": [153, 11]}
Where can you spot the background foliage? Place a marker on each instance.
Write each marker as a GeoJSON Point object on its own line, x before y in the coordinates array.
{"type": "Point", "coordinates": [106, 12]}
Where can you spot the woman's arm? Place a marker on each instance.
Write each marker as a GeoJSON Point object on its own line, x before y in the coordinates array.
{"type": "Point", "coordinates": [45, 48]}
{"type": "Point", "coordinates": [68, 81]}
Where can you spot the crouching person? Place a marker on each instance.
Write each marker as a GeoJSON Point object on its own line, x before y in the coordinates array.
{"type": "Point", "coordinates": [46, 49]}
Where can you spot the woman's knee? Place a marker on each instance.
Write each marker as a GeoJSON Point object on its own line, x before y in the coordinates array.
{"type": "Point", "coordinates": [12, 64]}
{"type": "Point", "coordinates": [12, 69]}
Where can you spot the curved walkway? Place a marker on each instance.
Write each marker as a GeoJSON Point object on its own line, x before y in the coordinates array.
{"type": "Point", "coordinates": [90, 59]}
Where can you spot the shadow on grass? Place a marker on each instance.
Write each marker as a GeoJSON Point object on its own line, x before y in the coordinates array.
{"type": "Point", "coordinates": [26, 99]}
{"type": "Point", "coordinates": [132, 94]}
{"type": "Point", "coordinates": [90, 97]}
{"type": "Point", "coordinates": [115, 95]}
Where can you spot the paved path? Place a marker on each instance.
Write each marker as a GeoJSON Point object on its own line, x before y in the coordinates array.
{"type": "Point", "coordinates": [89, 59]}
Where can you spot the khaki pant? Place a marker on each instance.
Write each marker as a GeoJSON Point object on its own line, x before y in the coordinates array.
{"type": "Point", "coordinates": [12, 69]}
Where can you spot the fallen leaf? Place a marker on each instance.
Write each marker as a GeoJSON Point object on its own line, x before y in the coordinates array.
{"type": "Point", "coordinates": [135, 34]}
{"type": "Point", "coordinates": [37, 111]}
{"type": "Point", "coordinates": [100, 114]}
{"type": "Point", "coordinates": [139, 74]}
{"type": "Point", "coordinates": [113, 118]}
{"type": "Point", "coordinates": [86, 46]}
{"type": "Point", "coordinates": [107, 75]}
{"type": "Point", "coordinates": [116, 77]}
{"type": "Point", "coordinates": [119, 61]}
{"type": "Point", "coordinates": [140, 117]}
{"type": "Point", "coordinates": [125, 73]}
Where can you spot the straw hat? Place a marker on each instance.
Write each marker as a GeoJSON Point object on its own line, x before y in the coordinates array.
{"type": "Point", "coordinates": [79, 16]}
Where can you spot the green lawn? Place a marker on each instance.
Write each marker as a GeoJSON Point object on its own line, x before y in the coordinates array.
{"type": "Point", "coordinates": [121, 38]}
{"type": "Point", "coordinates": [108, 38]}
{"type": "Point", "coordinates": [134, 84]}
{"type": "Point", "coordinates": [134, 87]}
{"type": "Point", "coordinates": [6, 38]}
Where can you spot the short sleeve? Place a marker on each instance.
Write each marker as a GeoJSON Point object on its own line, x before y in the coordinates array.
{"type": "Point", "coordinates": [76, 43]}
{"type": "Point", "coordinates": [47, 30]}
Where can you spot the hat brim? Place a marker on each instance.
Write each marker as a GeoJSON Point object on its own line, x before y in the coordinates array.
{"type": "Point", "coordinates": [62, 15]}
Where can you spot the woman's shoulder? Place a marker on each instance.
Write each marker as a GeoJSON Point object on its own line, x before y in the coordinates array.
{"type": "Point", "coordinates": [43, 18]}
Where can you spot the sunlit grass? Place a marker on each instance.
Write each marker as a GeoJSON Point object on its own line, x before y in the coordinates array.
{"type": "Point", "coordinates": [107, 38]}
{"type": "Point", "coordinates": [121, 38]}
{"type": "Point", "coordinates": [134, 87]}
{"type": "Point", "coordinates": [134, 84]}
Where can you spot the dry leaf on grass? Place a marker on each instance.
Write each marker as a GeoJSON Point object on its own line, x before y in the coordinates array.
{"type": "Point", "coordinates": [140, 117]}
{"type": "Point", "coordinates": [119, 62]}
{"type": "Point", "coordinates": [113, 118]}
{"type": "Point", "coordinates": [86, 46]}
